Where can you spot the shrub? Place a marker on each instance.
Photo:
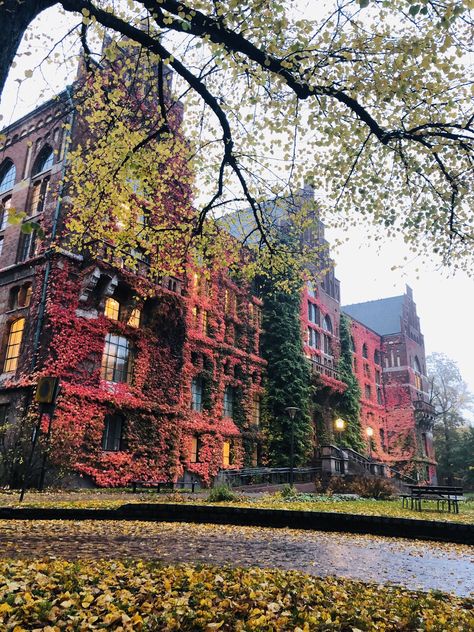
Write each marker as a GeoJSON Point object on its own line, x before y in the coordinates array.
{"type": "Point", "coordinates": [376, 487]}
{"type": "Point", "coordinates": [221, 493]}
{"type": "Point", "coordinates": [289, 491]}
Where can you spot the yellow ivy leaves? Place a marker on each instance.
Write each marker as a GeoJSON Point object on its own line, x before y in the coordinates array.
{"type": "Point", "coordinates": [57, 595]}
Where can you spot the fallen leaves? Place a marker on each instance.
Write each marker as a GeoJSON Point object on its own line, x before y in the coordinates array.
{"type": "Point", "coordinates": [128, 596]}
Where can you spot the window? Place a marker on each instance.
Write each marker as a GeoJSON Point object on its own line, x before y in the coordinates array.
{"type": "Point", "coordinates": [327, 324]}
{"type": "Point", "coordinates": [112, 309]}
{"type": "Point", "coordinates": [366, 370]}
{"type": "Point", "coordinates": [417, 365]}
{"type": "Point", "coordinates": [205, 322]}
{"type": "Point", "coordinates": [353, 347]}
{"type": "Point", "coordinates": [20, 296]}
{"type": "Point", "coordinates": [377, 376]}
{"type": "Point", "coordinates": [112, 436]}
{"type": "Point", "coordinates": [418, 383]}
{"type": "Point", "coordinates": [313, 338]}
{"type": "Point", "coordinates": [39, 196]}
{"type": "Point", "coordinates": [382, 438]}
{"type": "Point", "coordinates": [3, 413]}
{"type": "Point", "coordinates": [313, 313]}
{"type": "Point", "coordinates": [327, 345]}
{"type": "Point", "coordinates": [27, 246]}
{"type": "Point", "coordinates": [2, 239]}
{"type": "Point", "coordinates": [116, 359]}
{"type": "Point", "coordinates": [15, 336]}
{"type": "Point", "coordinates": [368, 392]}
{"type": "Point", "coordinates": [135, 318]}
{"type": "Point", "coordinates": [226, 453]}
{"type": "Point", "coordinates": [44, 161]}
{"type": "Point", "coordinates": [229, 302]}
{"type": "Point", "coordinates": [229, 402]}
{"type": "Point", "coordinates": [379, 396]}
{"type": "Point", "coordinates": [196, 393]}
{"type": "Point", "coordinates": [377, 356]}
{"type": "Point", "coordinates": [365, 352]}
{"type": "Point", "coordinates": [256, 410]}
{"type": "Point", "coordinates": [195, 449]}
{"type": "Point", "coordinates": [424, 440]}
{"type": "Point", "coordinates": [7, 176]}
{"type": "Point", "coordinates": [4, 207]}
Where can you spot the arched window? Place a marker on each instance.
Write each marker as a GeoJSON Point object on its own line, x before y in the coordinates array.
{"type": "Point", "coordinates": [377, 356]}
{"type": "Point", "coordinates": [20, 296]}
{"type": "Point", "coordinates": [327, 324]}
{"type": "Point", "coordinates": [113, 430]}
{"type": "Point", "coordinates": [365, 351]}
{"type": "Point", "coordinates": [117, 359]}
{"type": "Point", "coordinates": [7, 175]}
{"type": "Point", "coordinates": [5, 205]}
{"type": "Point", "coordinates": [417, 365]}
{"type": "Point", "coordinates": [12, 353]}
{"type": "Point", "coordinates": [44, 161]}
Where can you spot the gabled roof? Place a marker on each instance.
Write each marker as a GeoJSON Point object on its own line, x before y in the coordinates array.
{"type": "Point", "coordinates": [382, 316]}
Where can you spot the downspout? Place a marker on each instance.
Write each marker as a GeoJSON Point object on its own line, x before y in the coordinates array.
{"type": "Point", "coordinates": [49, 253]}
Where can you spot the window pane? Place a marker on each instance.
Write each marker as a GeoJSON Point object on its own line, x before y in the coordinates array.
{"type": "Point", "coordinates": [7, 177]}
{"type": "Point", "coordinates": [6, 204]}
{"type": "Point", "coordinates": [134, 320]}
{"type": "Point", "coordinates": [112, 437]}
{"type": "Point", "coordinates": [229, 402]}
{"type": "Point", "coordinates": [196, 394]}
{"type": "Point", "coordinates": [13, 345]}
{"type": "Point", "coordinates": [226, 453]}
{"type": "Point", "coordinates": [116, 360]}
{"type": "Point", "coordinates": [112, 309]}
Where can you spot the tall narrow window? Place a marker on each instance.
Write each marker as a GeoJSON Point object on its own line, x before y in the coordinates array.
{"type": "Point", "coordinates": [15, 336]}
{"type": "Point", "coordinates": [4, 209]}
{"type": "Point", "coordinates": [377, 356]}
{"type": "Point", "coordinates": [2, 239]}
{"type": "Point", "coordinates": [112, 309]}
{"type": "Point", "coordinates": [7, 176]}
{"type": "Point", "coordinates": [327, 324]}
{"type": "Point", "coordinates": [365, 352]}
{"type": "Point", "coordinates": [196, 393]}
{"type": "Point", "coordinates": [368, 392]}
{"type": "Point", "coordinates": [229, 402]}
{"type": "Point", "coordinates": [135, 318]}
{"type": "Point", "coordinates": [112, 435]}
{"type": "Point", "coordinates": [256, 410]}
{"type": "Point", "coordinates": [195, 449]}
{"type": "Point", "coordinates": [116, 359]}
{"type": "Point", "coordinates": [27, 246]}
{"type": "Point", "coordinates": [39, 196]}
{"type": "Point", "coordinates": [226, 453]}
{"type": "Point", "coordinates": [44, 161]}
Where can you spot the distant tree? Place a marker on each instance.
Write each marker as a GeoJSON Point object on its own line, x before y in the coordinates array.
{"type": "Point", "coordinates": [369, 100]}
{"type": "Point", "coordinates": [452, 400]}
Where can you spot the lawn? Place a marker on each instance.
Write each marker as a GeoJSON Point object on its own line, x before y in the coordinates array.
{"type": "Point", "coordinates": [110, 499]}
{"type": "Point", "coordinates": [55, 595]}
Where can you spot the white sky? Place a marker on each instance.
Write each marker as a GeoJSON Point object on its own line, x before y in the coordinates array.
{"type": "Point", "coordinates": [445, 303]}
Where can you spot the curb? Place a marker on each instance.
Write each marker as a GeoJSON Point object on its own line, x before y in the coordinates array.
{"type": "Point", "coordinates": [458, 533]}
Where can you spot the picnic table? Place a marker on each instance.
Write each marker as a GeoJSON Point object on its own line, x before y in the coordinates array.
{"type": "Point", "coordinates": [441, 493]}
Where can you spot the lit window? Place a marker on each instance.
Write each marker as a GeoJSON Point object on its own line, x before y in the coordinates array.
{"type": "Point", "coordinates": [15, 336]}
{"type": "Point", "coordinates": [205, 322]}
{"type": "Point", "coordinates": [229, 402]}
{"type": "Point", "coordinates": [7, 176]}
{"type": "Point", "coordinates": [418, 383]}
{"type": "Point", "coordinates": [195, 449]}
{"type": "Point", "coordinates": [256, 410]}
{"type": "Point", "coordinates": [226, 453]}
{"type": "Point", "coordinates": [112, 309]}
{"type": "Point", "coordinates": [116, 359]}
{"type": "Point", "coordinates": [6, 204]}
{"type": "Point", "coordinates": [196, 393]}
{"type": "Point", "coordinates": [135, 317]}
{"type": "Point", "coordinates": [112, 436]}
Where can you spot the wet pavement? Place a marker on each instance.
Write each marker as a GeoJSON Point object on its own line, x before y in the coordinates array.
{"type": "Point", "coordinates": [414, 564]}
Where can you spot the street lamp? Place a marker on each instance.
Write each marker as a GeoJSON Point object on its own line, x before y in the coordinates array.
{"type": "Point", "coordinates": [369, 431]}
{"type": "Point", "coordinates": [339, 427]}
{"type": "Point", "coordinates": [291, 412]}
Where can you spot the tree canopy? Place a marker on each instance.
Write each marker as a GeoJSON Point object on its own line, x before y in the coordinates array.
{"type": "Point", "coordinates": [370, 101]}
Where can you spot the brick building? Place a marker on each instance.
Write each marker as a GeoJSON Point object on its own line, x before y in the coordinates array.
{"type": "Point", "coordinates": [162, 377]}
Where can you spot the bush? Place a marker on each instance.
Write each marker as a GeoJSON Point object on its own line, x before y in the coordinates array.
{"type": "Point", "coordinates": [289, 491]}
{"type": "Point", "coordinates": [376, 487]}
{"type": "Point", "coordinates": [221, 493]}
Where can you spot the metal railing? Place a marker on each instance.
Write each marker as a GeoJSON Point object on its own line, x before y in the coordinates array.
{"type": "Point", "coordinates": [267, 476]}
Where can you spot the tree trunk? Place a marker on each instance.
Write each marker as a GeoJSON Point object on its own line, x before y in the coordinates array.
{"type": "Point", "coordinates": [15, 16]}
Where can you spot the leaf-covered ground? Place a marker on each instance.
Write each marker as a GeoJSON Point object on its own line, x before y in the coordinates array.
{"type": "Point", "coordinates": [59, 595]}
{"type": "Point", "coordinates": [112, 499]}
{"type": "Point", "coordinates": [417, 565]}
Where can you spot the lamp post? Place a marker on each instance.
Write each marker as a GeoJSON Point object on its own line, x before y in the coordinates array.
{"type": "Point", "coordinates": [339, 427]}
{"type": "Point", "coordinates": [369, 431]}
{"type": "Point", "coordinates": [291, 412]}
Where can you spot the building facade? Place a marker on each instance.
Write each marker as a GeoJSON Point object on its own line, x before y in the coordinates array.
{"type": "Point", "coordinates": [163, 378]}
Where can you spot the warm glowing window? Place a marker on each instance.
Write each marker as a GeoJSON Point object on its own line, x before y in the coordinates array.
{"type": "Point", "coordinates": [226, 453]}
{"type": "Point", "coordinates": [15, 336]}
{"type": "Point", "coordinates": [112, 309]}
{"type": "Point", "coordinates": [135, 316]}
{"type": "Point", "coordinates": [205, 322]}
{"type": "Point", "coordinates": [117, 359]}
{"type": "Point", "coordinates": [112, 435]}
{"type": "Point", "coordinates": [256, 410]}
{"type": "Point", "coordinates": [418, 383]}
{"type": "Point", "coordinates": [195, 448]}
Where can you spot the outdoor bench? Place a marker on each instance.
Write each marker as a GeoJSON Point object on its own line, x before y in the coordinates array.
{"type": "Point", "coordinates": [159, 485]}
{"type": "Point", "coordinates": [441, 493]}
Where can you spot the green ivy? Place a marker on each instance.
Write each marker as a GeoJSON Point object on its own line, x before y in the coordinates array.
{"type": "Point", "coordinates": [348, 406]}
{"type": "Point", "coordinates": [288, 381]}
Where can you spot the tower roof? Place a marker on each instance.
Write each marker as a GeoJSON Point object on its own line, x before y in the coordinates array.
{"type": "Point", "coordinates": [382, 316]}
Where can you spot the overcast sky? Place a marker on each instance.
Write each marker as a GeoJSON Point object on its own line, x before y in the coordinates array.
{"type": "Point", "coordinates": [445, 303]}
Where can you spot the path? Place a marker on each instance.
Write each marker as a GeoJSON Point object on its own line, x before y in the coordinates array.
{"type": "Point", "coordinates": [414, 564]}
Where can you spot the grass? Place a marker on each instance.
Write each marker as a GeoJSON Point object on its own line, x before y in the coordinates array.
{"type": "Point", "coordinates": [111, 499]}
